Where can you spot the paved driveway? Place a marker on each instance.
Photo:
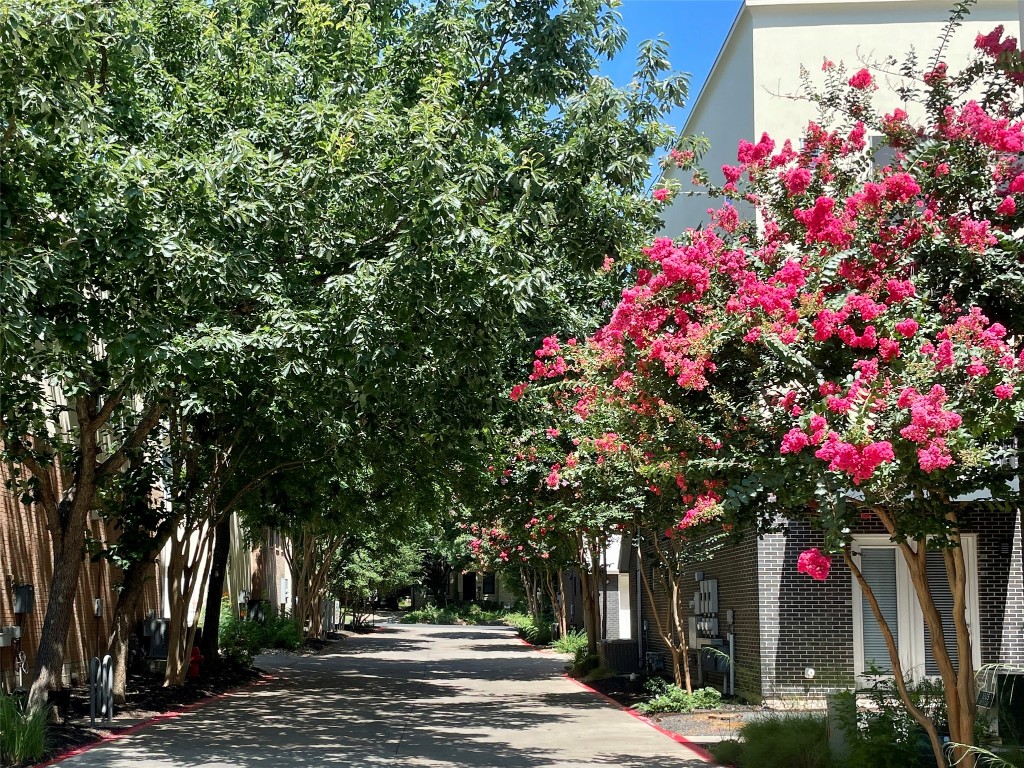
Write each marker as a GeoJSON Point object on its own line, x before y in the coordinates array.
{"type": "Point", "coordinates": [406, 696]}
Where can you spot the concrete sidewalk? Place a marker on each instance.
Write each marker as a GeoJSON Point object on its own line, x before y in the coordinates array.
{"type": "Point", "coordinates": [424, 696]}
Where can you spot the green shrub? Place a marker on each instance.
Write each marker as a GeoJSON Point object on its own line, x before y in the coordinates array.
{"type": "Point", "coordinates": [571, 642]}
{"type": "Point", "coordinates": [463, 613]}
{"type": "Point", "coordinates": [884, 735]}
{"type": "Point", "coordinates": [785, 741]}
{"type": "Point", "coordinates": [281, 632]}
{"type": "Point", "coordinates": [22, 735]}
{"type": "Point", "coordinates": [243, 639]}
{"type": "Point", "coordinates": [583, 662]}
{"type": "Point", "coordinates": [675, 699]}
{"type": "Point", "coordinates": [528, 629]}
{"type": "Point", "coordinates": [728, 752]}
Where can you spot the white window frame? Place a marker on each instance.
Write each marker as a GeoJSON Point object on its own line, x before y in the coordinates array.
{"type": "Point", "coordinates": [910, 618]}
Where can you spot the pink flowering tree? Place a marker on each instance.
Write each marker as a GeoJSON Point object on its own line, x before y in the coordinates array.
{"type": "Point", "coordinates": [641, 458]}
{"type": "Point", "coordinates": [848, 355]}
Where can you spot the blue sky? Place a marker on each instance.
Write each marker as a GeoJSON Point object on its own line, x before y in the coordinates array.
{"type": "Point", "coordinates": [694, 29]}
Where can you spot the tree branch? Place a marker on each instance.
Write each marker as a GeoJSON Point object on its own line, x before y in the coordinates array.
{"type": "Point", "coordinates": [142, 430]}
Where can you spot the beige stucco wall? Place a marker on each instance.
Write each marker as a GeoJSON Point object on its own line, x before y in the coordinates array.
{"type": "Point", "coordinates": [751, 87]}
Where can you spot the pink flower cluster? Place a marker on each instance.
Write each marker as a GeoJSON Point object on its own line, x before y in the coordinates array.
{"type": "Point", "coordinates": [555, 366]}
{"type": "Point", "coordinates": [814, 563]}
{"type": "Point", "coordinates": [929, 425]}
{"type": "Point", "coordinates": [861, 80]}
{"type": "Point", "coordinates": [858, 461]}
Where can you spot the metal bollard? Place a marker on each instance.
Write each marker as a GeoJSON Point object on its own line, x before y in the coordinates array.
{"type": "Point", "coordinates": [101, 689]}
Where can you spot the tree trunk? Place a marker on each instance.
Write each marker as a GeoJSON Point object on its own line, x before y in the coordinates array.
{"type": "Point", "coordinates": [958, 684]}
{"type": "Point", "coordinates": [68, 554]}
{"type": "Point", "coordinates": [186, 576]}
{"type": "Point", "coordinates": [132, 587]}
{"type": "Point", "coordinates": [210, 647]}
{"type": "Point", "coordinates": [897, 666]}
{"type": "Point", "coordinates": [671, 624]}
{"type": "Point", "coordinates": [563, 610]}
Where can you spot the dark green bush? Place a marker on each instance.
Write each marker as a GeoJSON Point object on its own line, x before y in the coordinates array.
{"type": "Point", "coordinates": [583, 662]}
{"type": "Point", "coordinates": [884, 735]}
{"type": "Point", "coordinates": [728, 752]}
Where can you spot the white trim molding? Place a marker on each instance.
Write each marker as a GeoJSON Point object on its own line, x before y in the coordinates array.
{"type": "Point", "coordinates": [910, 620]}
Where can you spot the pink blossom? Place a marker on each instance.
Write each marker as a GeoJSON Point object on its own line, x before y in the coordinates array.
{"type": "Point", "coordinates": [814, 563]}
{"type": "Point", "coordinates": [797, 180]}
{"type": "Point", "coordinates": [517, 391]}
{"type": "Point", "coordinates": [794, 441]}
{"type": "Point", "coordinates": [661, 195]}
{"type": "Point", "coordinates": [907, 327]}
{"type": "Point", "coordinates": [860, 80]}
{"type": "Point", "coordinates": [1007, 207]}
{"type": "Point", "coordinates": [1003, 391]}
{"type": "Point", "coordinates": [935, 456]}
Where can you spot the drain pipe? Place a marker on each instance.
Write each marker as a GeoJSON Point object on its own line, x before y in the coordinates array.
{"type": "Point", "coordinates": [732, 663]}
{"type": "Point", "coordinates": [639, 602]}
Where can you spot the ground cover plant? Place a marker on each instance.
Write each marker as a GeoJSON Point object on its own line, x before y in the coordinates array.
{"type": "Point", "coordinates": [22, 733]}
{"type": "Point", "coordinates": [669, 697]}
{"type": "Point", "coordinates": [466, 613]}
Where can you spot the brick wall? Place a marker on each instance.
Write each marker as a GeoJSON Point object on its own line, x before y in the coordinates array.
{"type": "Point", "coordinates": [735, 568]}
{"type": "Point", "coordinates": [804, 623]}
{"type": "Point", "coordinates": [810, 623]}
{"type": "Point", "coordinates": [786, 621]}
{"type": "Point", "coordinates": [26, 557]}
{"type": "Point", "coordinates": [1000, 587]}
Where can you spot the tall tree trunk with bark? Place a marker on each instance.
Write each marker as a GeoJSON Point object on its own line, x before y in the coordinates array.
{"type": "Point", "coordinates": [671, 622]}
{"type": "Point", "coordinates": [958, 684]}
{"type": "Point", "coordinates": [132, 587]}
{"type": "Point", "coordinates": [210, 646]}
{"type": "Point", "coordinates": [67, 517]}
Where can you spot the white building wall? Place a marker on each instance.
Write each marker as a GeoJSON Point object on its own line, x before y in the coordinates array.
{"type": "Point", "coordinates": [752, 86]}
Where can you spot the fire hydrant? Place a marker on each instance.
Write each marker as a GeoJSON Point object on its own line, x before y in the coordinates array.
{"type": "Point", "coordinates": [194, 661]}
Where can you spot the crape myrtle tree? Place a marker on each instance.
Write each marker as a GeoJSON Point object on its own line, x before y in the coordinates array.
{"type": "Point", "coordinates": [861, 369]}
{"type": "Point", "coordinates": [519, 533]}
{"type": "Point", "coordinates": [658, 452]}
{"type": "Point", "coordinates": [411, 179]}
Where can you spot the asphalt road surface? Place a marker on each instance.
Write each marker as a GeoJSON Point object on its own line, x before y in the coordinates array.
{"type": "Point", "coordinates": [423, 696]}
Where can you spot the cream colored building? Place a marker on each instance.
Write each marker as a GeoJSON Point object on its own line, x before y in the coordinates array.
{"type": "Point", "coordinates": [754, 80]}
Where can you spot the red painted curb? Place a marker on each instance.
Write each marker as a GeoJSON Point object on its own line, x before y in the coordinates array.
{"type": "Point", "coordinates": [132, 729]}
{"type": "Point", "coordinates": [695, 748]}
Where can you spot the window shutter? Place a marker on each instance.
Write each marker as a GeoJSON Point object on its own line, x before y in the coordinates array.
{"type": "Point", "coordinates": [878, 565]}
{"type": "Point", "coordinates": [938, 584]}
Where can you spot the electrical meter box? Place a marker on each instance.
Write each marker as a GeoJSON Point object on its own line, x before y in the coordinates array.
{"type": "Point", "coordinates": [24, 598]}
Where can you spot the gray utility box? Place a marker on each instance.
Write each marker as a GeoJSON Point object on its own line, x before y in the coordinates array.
{"type": "Point", "coordinates": [8, 635]}
{"type": "Point", "coordinates": [24, 598]}
{"type": "Point", "coordinates": [156, 630]}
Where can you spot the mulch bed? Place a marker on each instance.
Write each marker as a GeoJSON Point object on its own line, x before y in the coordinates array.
{"type": "Point", "coordinates": [146, 696]}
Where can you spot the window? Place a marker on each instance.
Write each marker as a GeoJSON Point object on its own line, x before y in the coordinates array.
{"type": "Point", "coordinates": [884, 569]}
{"type": "Point", "coordinates": [882, 154]}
